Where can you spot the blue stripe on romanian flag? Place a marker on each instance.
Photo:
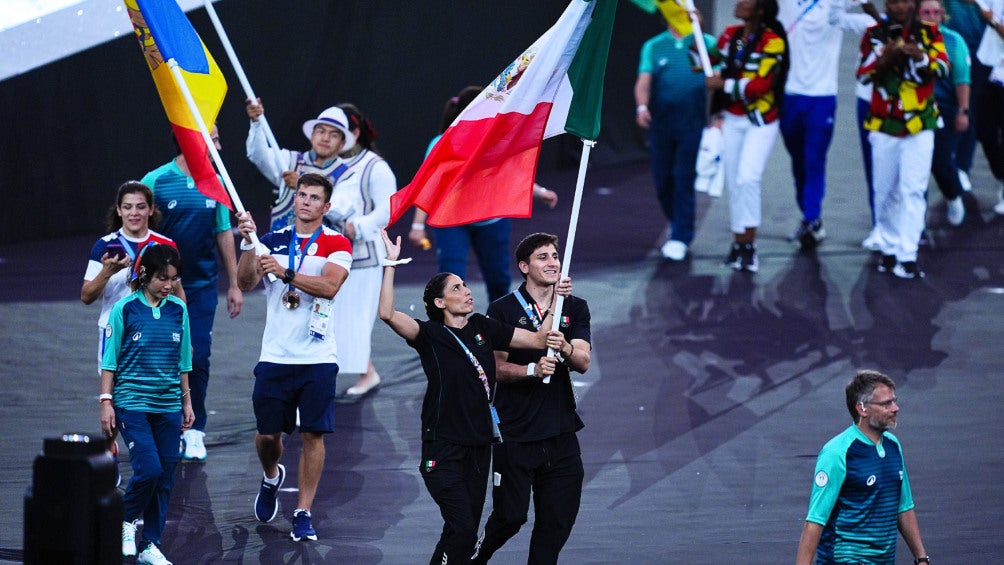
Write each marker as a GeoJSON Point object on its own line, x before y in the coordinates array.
{"type": "Point", "coordinates": [164, 33]}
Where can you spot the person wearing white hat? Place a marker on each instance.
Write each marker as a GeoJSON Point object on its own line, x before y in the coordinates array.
{"type": "Point", "coordinates": [329, 135]}
{"type": "Point", "coordinates": [343, 150]}
{"type": "Point", "coordinates": [360, 208]}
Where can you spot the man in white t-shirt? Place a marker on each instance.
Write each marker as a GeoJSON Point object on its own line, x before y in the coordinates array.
{"type": "Point", "coordinates": [303, 265]}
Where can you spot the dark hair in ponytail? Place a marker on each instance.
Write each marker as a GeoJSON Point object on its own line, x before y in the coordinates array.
{"type": "Point", "coordinates": [770, 10]}
{"type": "Point", "coordinates": [454, 106]}
{"type": "Point", "coordinates": [357, 121]}
{"type": "Point", "coordinates": [433, 290]}
{"type": "Point", "coordinates": [767, 19]}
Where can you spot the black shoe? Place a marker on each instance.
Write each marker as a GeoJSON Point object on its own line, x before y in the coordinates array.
{"type": "Point", "coordinates": [908, 270]}
{"type": "Point", "coordinates": [886, 264]}
{"type": "Point", "coordinates": [732, 259]}
{"type": "Point", "coordinates": [811, 234]}
{"type": "Point", "coordinates": [748, 260]}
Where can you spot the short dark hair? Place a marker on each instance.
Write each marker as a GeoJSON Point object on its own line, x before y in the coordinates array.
{"type": "Point", "coordinates": [316, 179]}
{"type": "Point", "coordinates": [862, 388]}
{"type": "Point", "coordinates": [433, 290]}
{"type": "Point", "coordinates": [154, 258]}
{"type": "Point", "coordinates": [531, 243]}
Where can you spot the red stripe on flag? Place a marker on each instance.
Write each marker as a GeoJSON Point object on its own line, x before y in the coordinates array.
{"type": "Point", "coordinates": [479, 170]}
{"type": "Point", "coordinates": [193, 147]}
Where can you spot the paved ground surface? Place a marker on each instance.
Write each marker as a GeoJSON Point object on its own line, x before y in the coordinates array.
{"type": "Point", "coordinates": [709, 395]}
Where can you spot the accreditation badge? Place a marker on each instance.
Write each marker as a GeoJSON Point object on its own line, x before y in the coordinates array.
{"type": "Point", "coordinates": [320, 318]}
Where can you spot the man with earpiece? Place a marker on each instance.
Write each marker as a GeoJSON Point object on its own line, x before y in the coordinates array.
{"type": "Point", "coordinates": [861, 493]}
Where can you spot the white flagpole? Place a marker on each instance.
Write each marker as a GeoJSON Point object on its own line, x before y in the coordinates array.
{"type": "Point", "coordinates": [573, 223]}
{"type": "Point", "coordinates": [248, 92]}
{"type": "Point", "coordinates": [702, 49]}
{"type": "Point", "coordinates": [194, 109]}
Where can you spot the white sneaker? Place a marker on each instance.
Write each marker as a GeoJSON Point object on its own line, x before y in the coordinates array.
{"type": "Point", "coordinates": [128, 539]}
{"type": "Point", "coordinates": [674, 250]}
{"type": "Point", "coordinates": [195, 445]}
{"type": "Point", "coordinates": [999, 207]}
{"type": "Point", "coordinates": [955, 210]}
{"type": "Point", "coordinates": [872, 243]}
{"type": "Point", "coordinates": [152, 556]}
{"type": "Point", "coordinates": [964, 181]}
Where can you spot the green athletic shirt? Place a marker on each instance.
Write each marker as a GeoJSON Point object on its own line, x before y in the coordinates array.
{"type": "Point", "coordinates": [147, 348]}
{"type": "Point", "coordinates": [860, 489]}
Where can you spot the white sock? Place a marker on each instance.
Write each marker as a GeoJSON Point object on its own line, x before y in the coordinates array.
{"type": "Point", "coordinates": [274, 480]}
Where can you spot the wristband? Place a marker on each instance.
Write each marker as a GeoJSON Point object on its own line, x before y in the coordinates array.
{"type": "Point", "coordinates": [641, 108]}
{"type": "Point", "coordinates": [531, 370]}
{"type": "Point", "coordinates": [103, 397]}
{"type": "Point", "coordinates": [184, 394]}
{"type": "Point", "coordinates": [247, 246]}
{"type": "Point", "coordinates": [924, 559]}
{"type": "Point", "coordinates": [417, 226]}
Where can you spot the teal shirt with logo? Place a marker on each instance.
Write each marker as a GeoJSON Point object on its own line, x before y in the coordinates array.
{"type": "Point", "coordinates": [859, 490]}
{"type": "Point", "coordinates": [147, 348]}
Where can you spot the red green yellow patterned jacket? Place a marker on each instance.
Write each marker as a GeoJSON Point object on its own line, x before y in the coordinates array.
{"type": "Point", "coordinates": [902, 101]}
{"type": "Point", "coordinates": [750, 77]}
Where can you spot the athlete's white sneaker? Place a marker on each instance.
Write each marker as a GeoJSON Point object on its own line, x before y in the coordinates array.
{"type": "Point", "coordinates": [195, 445]}
{"type": "Point", "coordinates": [128, 539]}
{"type": "Point", "coordinates": [152, 556]}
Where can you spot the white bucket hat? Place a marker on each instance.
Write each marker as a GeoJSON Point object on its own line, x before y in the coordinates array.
{"type": "Point", "coordinates": [335, 117]}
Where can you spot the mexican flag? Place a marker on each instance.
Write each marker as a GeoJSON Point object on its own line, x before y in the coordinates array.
{"type": "Point", "coordinates": [484, 165]}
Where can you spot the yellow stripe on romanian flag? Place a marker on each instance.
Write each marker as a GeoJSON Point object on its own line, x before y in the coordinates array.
{"type": "Point", "coordinates": [164, 33]}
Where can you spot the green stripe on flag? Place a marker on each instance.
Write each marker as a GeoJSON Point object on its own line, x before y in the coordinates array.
{"type": "Point", "coordinates": [587, 71]}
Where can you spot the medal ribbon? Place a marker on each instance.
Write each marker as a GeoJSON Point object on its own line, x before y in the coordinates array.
{"type": "Point", "coordinates": [294, 249]}
{"type": "Point", "coordinates": [533, 312]}
{"type": "Point", "coordinates": [474, 361]}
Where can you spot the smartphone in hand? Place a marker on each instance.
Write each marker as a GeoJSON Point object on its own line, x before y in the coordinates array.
{"type": "Point", "coordinates": [115, 250]}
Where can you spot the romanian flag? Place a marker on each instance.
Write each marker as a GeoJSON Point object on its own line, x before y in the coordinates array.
{"type": "Point", "coordinates": [164, 33]}
{"type": "Point", "coordinates": [484, 165]}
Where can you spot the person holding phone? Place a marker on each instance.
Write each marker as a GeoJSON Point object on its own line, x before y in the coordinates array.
{"type": "Point", "coordinates": [112, 255]}
{"type": "Point", "coordinates": [902, 58]}
{"type": "Point", "coordinates": [109, 269]}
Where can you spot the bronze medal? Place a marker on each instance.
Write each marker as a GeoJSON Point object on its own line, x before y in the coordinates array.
{"type": "Point", "coordinates": [291, 299]}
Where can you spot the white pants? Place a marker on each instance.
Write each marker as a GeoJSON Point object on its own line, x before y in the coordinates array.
{"type": "Point", "coordinates": [901, 167]}
{"type": "Point", "coordinates": [353, 316]}
{"type": "Point", "coordinates": [746, 148]}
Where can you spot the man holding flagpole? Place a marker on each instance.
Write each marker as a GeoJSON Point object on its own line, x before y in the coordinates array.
{"type": "Point", "coordinates": [296, 372]}
{"type": "Point", "coordinates": [538, 420]}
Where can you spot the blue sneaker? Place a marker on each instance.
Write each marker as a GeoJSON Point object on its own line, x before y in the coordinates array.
{"type": "Point", "coordinates": [302, 528]}
{"type": "Point", "coordinates": [266, 504]}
